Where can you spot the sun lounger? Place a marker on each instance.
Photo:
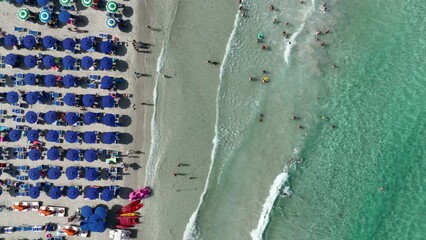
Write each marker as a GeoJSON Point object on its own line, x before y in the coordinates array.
{"type": "Point", "coordinates": [18, 119]}
{"type": "Point", "coordinates": [20, 29]}
{"type": "Point", "coordinates": [19, 149]}
{"type": "Point", "coordinates": [19, 229]}
{"type": "Point", "coordinates": [103, 35]}
{"type": "Point", "coordinates": [50, 211]}
{"type": "Point", "coordinates": [25, 186]}
{"type": "Point", "coordinates": [20, 156]}
{"type": "Point", "coordinates": [23, 168]}
{"type": "Point", "coordinates": [2, 111]}
{"type": "Point", "coordinates": [22, 194]}
{"type": "Point", "coordinates": [2, 65]}
{"type": "Point", "coordinates": [8, 229]}
{"type": "Point", "coordinates": [35, 33]}
{"type": "Point", "coordinates": [55, 94]}
{"type": "Point", "coordinates": [37, 229]}
{"type": "Point", "coordinates": [22, 178]}
{"type": "Point", "coordinates": [92, 85]}
{"type": "Point", "coordinates": [27, 228]}
{"type": "Point", "coordinates": [57, 103]}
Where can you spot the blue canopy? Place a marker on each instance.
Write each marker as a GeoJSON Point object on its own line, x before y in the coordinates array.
{"type": "Point", "coordinates": [30, 61]}
{"type": "Point", "coordinates": [86, 211]}
{"type": "Point", "coordinates": [49, 41]}
{"type": "Point", "coordinates": [68, 62]}
{"type": "Point", "coordinates": [64, 16]}
{"type": "Point", "coordinates": [34, 192]}
{"type": "Point", "coordinates": [50, 80]}
{"type": "Point", "coordinates": [89, 118]}
{"type": "Point", "coordinates": [84, 225]}
{"type": "Point", "coordinates": [86, 62]}
{"type": "Point", "coordinates": [48, 61]}
{"type": "Point", "coordinates": [109, 120]}
{"type": "Point", "coordinates": [89, 100]}
{"type": "Point", "coordinates": [73, 192]}
{"type": "Point", "coordinates": [91, 174]}
{"type": "Point", "coordinates": [33, 135]}
{"type": "Point", "coordinates": [101, 211]}
{"type": "Point", "coordinates": [107, 194]}
{"type": "Point", "coordinates": [105, 63]}
{"type": "Point", "coordinates": [69, 99]}
{"type": "Point", "coordinates": [52, 136]}
{"type": "Point", "coordinates": [34, 154]}
{"type": "Point", "coordinates": [95, 218]}
{"type": "Point", "coordinates": [68, 44]}
{"type": "Point", "coordinates": [89, 137]}
{"type": "Point", "coordinates": [90, 155]}
{"type": "Point", "coordinates": [11, 59]}
{"type": "Point", "coordinates": [92, 193]}
{"type": "Point", "coordinates": [71, 136]}
{"type": "Point", "coordinates": [109, 137]}
{"type": "Point", "coordinates": [69, 80]}
{"type": "Point", "coordinates": [42, 2]}
{"type": "Point", "coordinates": [19, 1]}
{"type": "Point", "coordinates": [34, 174]}
{"type": "Point", "coordinates": [108, 101]}
{"type": "Point", "coordinates": [54, 173]}
{"type": "Point", "coordinates": [32, 97]}
{"type": "Point", "coordinates": [106, 82]}
{"type": "Point", "coordinates": [30, 79]}
{"type": "Point", "coordinates": [102, 226]}
{"type": "Point", "coordinates": [50, 117]}
{"type": "Point", "coordinates": [71, 173]}
{"type": "Point", "coordinates": [106, 47]}
{"type": "Point", "coordinates": [10, 40]}
{"type": "Point", "coordinates": [53, 154]}
{"type": "Point", "coordinates": [12, 97]}
{"type": "Point", "coordinates": [14, 135]}
{"type": "Point", "coordinates": [71, 118]}
{"type": "Point", "coordinates": [29, 41]}
{"type": "Point", "coordinates": [94, 226]}
{"type": "Point", "coordinates": [72, 154]}
{"type": "Point", "coordinates": [31, 117]}
{"type": "Point", "coordinates": [85, 43]}
{"type": "Point", "coordinates": [55, 192]}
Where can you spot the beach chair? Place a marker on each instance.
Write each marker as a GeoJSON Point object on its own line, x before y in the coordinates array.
{"type": "Point", "coordinates": [20, 29]}
{"type": "Point", "coordinates": [2, 111]}
{"type": "Point", "coordinates": [18, 111]}
{"type": "Point", "coordinates": [37, 229]}
{"type": "Point", "coordinates": [2, 65]}
{"type": "Point", "coordinates": [19, 229]}
{"type": "Point", "coordinates": [22, 178]}
{"type": "Point", "coordinates": [28, 228]}
{"type": "Point", "coordinates": [8, 229]}
{"type": "Point", "coordinates": [19, 149]}
{"type": "Point", "coordinates": [94, 77]}
{"type": "Point", "coordinates": [57, 103]}
{"type": "Point", "coordinates": [18, 119]}
{"type": "Point", "coordinates": [25, 186]}
{"type": "Point", "coordinates": [55, 95]}
{"type": "Point", "coordinates": [23, 168]}
{"type": "Point", "coordinates": [20, 156]}
{"type": "Point", "coordinates": [103, 35]}
{"type": "Point", "coordinates": [19, 75]}
{"type": "Point", "coordinates": [92, 85]}
{"type": "Point", "coordinates": [32, 32]}
{"type": "Point", "coordinates": [22, 194]}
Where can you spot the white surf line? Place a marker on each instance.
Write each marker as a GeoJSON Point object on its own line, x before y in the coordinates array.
{"type": "Point", "coordinates": [191, 227]}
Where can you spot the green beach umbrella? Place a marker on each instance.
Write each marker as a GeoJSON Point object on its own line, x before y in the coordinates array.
{"type": "Point", "coordinates": [111, 7]}
{"type": "Point", "coordinates": [65, 2]}
{"type": "Point", "coordinates": [87, 3]}
{"type": "Point", "coordinates": [23, 14]}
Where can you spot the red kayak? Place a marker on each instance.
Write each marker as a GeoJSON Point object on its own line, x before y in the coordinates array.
{"type": "Point", "coordinates": [131, 207]}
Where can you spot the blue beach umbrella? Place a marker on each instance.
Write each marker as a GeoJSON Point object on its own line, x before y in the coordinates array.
{"type": "Point", "coordinates": [86, 62]}
{"type": "Point", "coordinates": [52, 136]}
{"type": "Point", "coordinates": [71, 136]}
{"type": "Point", "coordinates": [30, 61]}
{"type": "Point", "coordinates": [94, 226]}
{"type": "Point", "coordinates": [11, 59]}
{"type": "Point", "coordinates": [111, 22]}
{"type": "Point", "coordinates": [85, 43]}
{"type": "Point", "coordinates": [106, 82]}
{"type": "Point", "coordinates": [50, 80]}
{"type": "Point", "coordinates": [68, 62]}
{"type": "Point", "coordinates": [50, 117]}
{"type": "Point", "coordinates": [91, 174]}
{"type": "Point", "coordinates": [19, 1]}
{"type": "Point", "coordinates": [107, 194]}
{"type": "Point", "coordinates": [34, 154]}
{"type": "Point", "coordinates": [42, 2]}
{"type": "Point", "coordinates": [34, 192]}
{"type": "Point", "coordinates": [89, 118]}
{"type": "Point", "coordinates": [72, 154]}
{"type": "Point", "coordinates": [102, 226]}
{"type": "Point", "coordinates": [101, 211]}
{"type": "Point", "coordinates": [32, 97]}
{"type": "Point", "coordinates": [86, 211]}
{"type": "Point", "coordinates": [48, 61]}
{"type": "Point", "coordinates": [92, 193]}
{"type": "Point", "coordinates": [29, 41]}
{"type": "Point", "coordinates": [33, 135]}
{"type": "Point", "coordinates": [106, 47]}
{"type": "Point", "coordinates": [45, 16]}
{"type": "Point", "coordinates": [55, 193]}
{"type": "Point", "coordinates": [71, 118]}
{"type": "Point", "coordinates": [90, 155]}
{"type": "Point", "coordinates": [84, 225]}
{"type": "Point", "coordinates": [68, 44]}
{"type": "Point", "coordinates": [89, 137]}
{"type": "Point", "coordinates": [73, 192]}
{"type": "Point", "coordinates": [34, 174]}
{"type": "Point", "coordinates": [95, 218]}
{"type": "Point", "coordinates": [71, 173]}
{"type": "Point", "coordinates": [53, 154]}
{"type": "Point", "coordinates": [31, 117]}
{"type": "Point", "coordinates": [105, 63]}
{"type": "Point", "coordinates": [49, 41]}
{"type": "Point", "coordinates": [89, 100]}
{"type": "Point", "coordinates": [10, 40]}
{"type": "Point", "coordinates": [14, 135]}
{"type": "Point", "coordinates": [109, 137]}
{"type": "Point", "coordinates": [54, 173]}
{"type": "Point", "coordinates": [12, 97]}
{"type": "Point", "coordinates": [64, 16]}
{"type": "Point", "coordinates": [30, 79]}
{"type": "Point", "coordinates": [108, 101]}
{"type": "Point", "coordinates": [109, 120]}
{"type": "Point", "coordinates": [69, 80]}
{"type": "Point", "coordinates": [69, 99]}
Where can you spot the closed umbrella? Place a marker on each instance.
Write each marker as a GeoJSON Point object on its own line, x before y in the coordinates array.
{"type": "Point", "coordinates": [107, 194]}
{"type": "Point", "coordinates": [85, 44]}
{"type": "Point", "coordinates": [31, 117]}
{"type": "Point", "coordinates": [106, 47]}
{"type": "Point", "coordinates": [48, 42]}
{"type": "Point", "coordinates": [10, 40]}
{"type": "Point", "coordinates": [90, 155]}
{"type": "Point", "coordinates": [71, 136]}
{"type": "Point", "coordinates": [89, 100]}
{"type": "Point", "coordinates": [30, 79]}
{"type": "Point", "coordinates": [50, 117]}
{"type": "Point", "coordinates": [34, 154]}
{"type": "Point", "coordinates": [23, 14]}
{"type": "Point", "coordinates": [89, 137]}
{"type": "Point", "coordinates": [32, 97]}
{"type": "Point", "coordinates": [68, 62]}
{"type": "Point", "coordinates": [112, 6]}
{"type": "Point", "coordinates": [89, 118]}
{"type": "Point", "coordinates": [14, 135]}
{"type": "Point", "coordinates": [64, 16]}
{"type": "Point", "coordinates": [30, 61]}
{"type": "Point", "coordinates": [109, 120]}
{"type": "Point", "coordinates": [92, 193]}
{"type": "Point", "coordinates": [42, 2]}
{"type": "Point", "coordinates": [71, 173]}
{"type": "Point", "coordinates": [33, 135]}
{"type": "Point", "coordinates": [108, 101]}
{"type": "Point", "coordinates": [91, 174]}
{"type": "Point", "coordinates": [111, 23]}
{"type": "Point", "coordinates": [12, 97]}
{"type": "Point", "coordinates": [45, 16]}
{"type": "Point", "coordinates": [73, 192]}
{"type": "Point", "coordinates": [86, 211]}
{"type": "Point", "coordinates": [29, 41]}
{"type": "Point", "coordinates": [72, 154]}
{"type": "Point", "coordinates": [53, 154]}
{"type": "Point", "coordinates": [69, 99]}
{"type": "Point", "coordinates": [34, 192]}
{"type": "Point", "coordinates": [34, 174]}
{"type": "Point", "coordinates": [52, 136]}
{"type": "Point", "coordinates": [11, 59]}
{"type": "Point", "coordinates": [50, 80]}
{"type": "Point", "coordinates": [54, 173]}
{"type": "Point", "coordinates": [68, 44]}
{"type": "Point", "coordinates": [106, 82]}
{"type": "Point", "coordinates": [55, 192]}
{"type": "Point", "coordinates": [69, 80]}
{"type": "Point", "coordinates": [86, 62]}
{"type": "Point", "coordinates": [48, 61]}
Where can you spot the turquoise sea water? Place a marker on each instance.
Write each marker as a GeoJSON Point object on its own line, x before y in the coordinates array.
{"type": "Point", "coordinates": [375, 98]}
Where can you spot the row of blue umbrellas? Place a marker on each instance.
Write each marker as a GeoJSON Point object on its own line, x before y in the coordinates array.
{"type": "Point", "coordinates": [30, 97]}
{"type": "Point", "coordinates": [73, 192]}
{"type": "Point", "coordinates": [68, 80]}
{"type": "Point", "coordinates": [70, 136]}
{"type": "Point", "coordinates": [54, 153]}
{"type": "Point", "coordinates": [71, 118]}
{"type": "Point", "coordinates": [90, 174]}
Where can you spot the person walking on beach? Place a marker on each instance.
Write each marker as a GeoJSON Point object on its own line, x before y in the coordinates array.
{"type": "Point", "coordinates": [138, 74]}
{"type": "Point", "coordinates": [211, 62]}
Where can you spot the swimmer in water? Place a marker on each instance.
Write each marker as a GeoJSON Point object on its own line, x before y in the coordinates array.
{"type": "Point", "coordinates": [271, 7]}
